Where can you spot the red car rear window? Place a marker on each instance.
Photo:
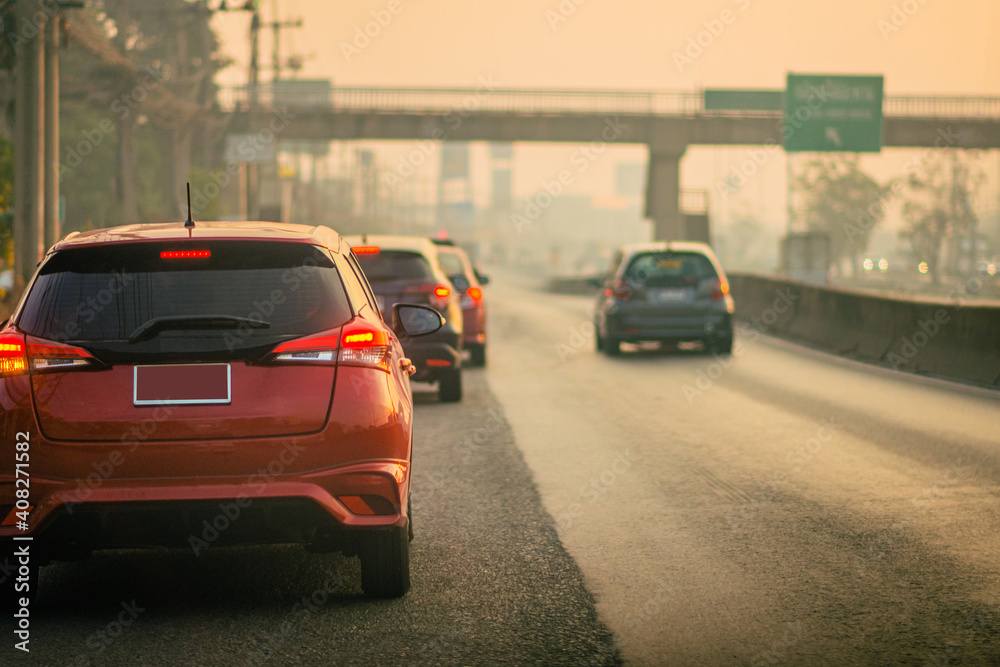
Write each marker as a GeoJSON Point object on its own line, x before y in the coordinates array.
{"type": "Point", "coordinates": [102, 294]}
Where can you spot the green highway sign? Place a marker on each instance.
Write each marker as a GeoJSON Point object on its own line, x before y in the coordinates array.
{"type": "Point", "coordinates": [833, 113]}
{"type": "Point", "coordinates": [732, 99]}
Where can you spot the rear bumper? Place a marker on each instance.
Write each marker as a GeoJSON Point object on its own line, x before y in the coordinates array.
{"type": "Point", "coordinates": [628, 325]}
{"type": "Point", "coordinates": [264, 508]}
{"type": "Point", "coordinates": [432, 360]}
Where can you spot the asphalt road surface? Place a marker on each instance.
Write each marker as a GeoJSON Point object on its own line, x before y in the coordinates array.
{"type": "Point", "coordinates": [778, 507]}
{"type": "Point", "coordinates": [491, 583]}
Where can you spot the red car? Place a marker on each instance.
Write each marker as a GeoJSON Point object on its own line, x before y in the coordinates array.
{"type": "Point", "coordinates": [230, 383]}
{"type": "Point", "coordinates": [469, 283]}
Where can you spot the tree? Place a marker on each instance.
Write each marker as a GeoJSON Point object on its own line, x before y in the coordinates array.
{"type": "Point", "coordinates": [843, 201]}
{"type": "Point", "coordinates": [937, 209]}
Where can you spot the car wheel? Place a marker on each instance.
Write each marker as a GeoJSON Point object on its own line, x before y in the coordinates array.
{"type": "Point", "coordinates": [450, 387]}
{"type": "Point", "coordinates": [385, 563]}
{"type": "Point", "coordinates": [477, 355]}
{"type": "Point", "coordinates": [612, 346]}
{"type": "Point", "coordinates": [598, 341]}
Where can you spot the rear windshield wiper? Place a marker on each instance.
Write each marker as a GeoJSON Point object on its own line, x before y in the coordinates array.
{"type": "Point", "coordinates": [157, 324]}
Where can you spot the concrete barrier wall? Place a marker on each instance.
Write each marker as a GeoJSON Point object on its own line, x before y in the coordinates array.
{"type": "Point", "coordinates": [948, 337]}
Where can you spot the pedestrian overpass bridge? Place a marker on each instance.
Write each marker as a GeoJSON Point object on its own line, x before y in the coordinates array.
{"type": "Point", "coordinates": [666, 122]}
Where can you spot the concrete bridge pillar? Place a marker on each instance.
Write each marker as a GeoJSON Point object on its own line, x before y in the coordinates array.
{"type": "Point", "coordinates": [663, 193]}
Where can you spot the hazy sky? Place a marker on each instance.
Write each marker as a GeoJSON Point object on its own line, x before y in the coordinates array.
{"type": "Point", "coordinates": [942, 46]}
{"type": "Point", "coordinates": [920, 46]}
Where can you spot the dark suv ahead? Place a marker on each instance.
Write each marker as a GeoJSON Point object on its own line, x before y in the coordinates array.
{"type": "Point", "coordinates": [406, 269]}
{"type": "Point", "coordinates": [230, 383]}
{"type": "Point", "coordinates": [668, 292]}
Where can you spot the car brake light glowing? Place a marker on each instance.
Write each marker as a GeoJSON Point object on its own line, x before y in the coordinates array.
{"type": "Point", "coordinates": [351, 339]}
{"type": "Point", "coordinates": [720, 290]}
{"type": "Point", "coordinates": [13, 360]}
{"type": "Point", "coordinates": [366, 250]}
{"type": "Point", "coordinates": [437, 294]}
{"type": "Point", "coordinates": [475, 293]}
{"type": "Point", "coordinates": [45, 355]}
{"type": "Point", "coordinates": [357, 345]}
{"type": "Point", "coordinates": [185, 254]}
{"type": "Point", "coordinates": [364, 346]}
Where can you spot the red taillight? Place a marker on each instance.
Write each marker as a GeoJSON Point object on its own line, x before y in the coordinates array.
{"type": "Point", "coordinates": [366, 249]}
{"type": "Point", "coordinates": [48, 356]}
{"type": "Point", "coordinates": [318, 349]}
{"type": "Point", "coordinates": [185, 254]}
{"type": "Point", "coordinates": [13, 360]}
{"type": "Point", "coordinates": [364, 345]}
{"type": "Point", "coordinates": [620, 290]}
{"type": "Point", "coordinates": [357, 344]}
{"type": "Point", "coordinates": [475, 293]}
{"type": "Point", "coordinates": [720, 290]}
{"type": "Point", "coordinates": [437, 295]}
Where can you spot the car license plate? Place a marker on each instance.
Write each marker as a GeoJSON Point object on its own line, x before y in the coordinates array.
{"type": "Point", "coordinates": [672, 295]}
{"type": "Point", "coordinates": [182, 384]}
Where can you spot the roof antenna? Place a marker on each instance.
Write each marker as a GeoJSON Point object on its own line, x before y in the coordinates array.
{"type": "Point", "coordinates": [190, 220]}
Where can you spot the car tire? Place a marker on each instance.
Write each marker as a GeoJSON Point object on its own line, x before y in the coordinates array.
{"type": "Point", "coordinates": [477, 355]}
{"type": "Point", "coordinates": [598, 341]}
{"type": "Point", "coordinates": [450, 387]}
{"type": "Point", "coordinates": [612, 347]}
{"type": "Point", "coordinates": [385, 563]}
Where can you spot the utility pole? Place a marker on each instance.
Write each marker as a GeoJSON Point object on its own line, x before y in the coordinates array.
{"type": "Point", "coordinates": [51, 191]}
{"type": "Point", "coordinates": [29, 177]}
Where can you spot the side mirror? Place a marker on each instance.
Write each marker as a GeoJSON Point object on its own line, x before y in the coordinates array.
{"type": "Point", "coordinates": [410, 320]}
{"type": "Point", "coordinates": [483, 280]}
